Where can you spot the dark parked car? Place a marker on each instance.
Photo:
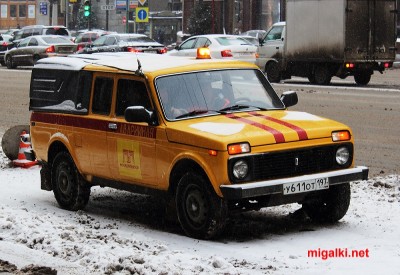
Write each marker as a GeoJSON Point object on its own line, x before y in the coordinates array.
{"type": "Point", "coordinates": [33, 48]}
{"type": "Point", "coordinates": [86, 38]}
{"type": "Point", "coordinates": [124, 43]}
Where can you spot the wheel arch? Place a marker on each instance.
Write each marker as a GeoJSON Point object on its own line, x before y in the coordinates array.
{"type": "Point", "coordinates": [183, 166]}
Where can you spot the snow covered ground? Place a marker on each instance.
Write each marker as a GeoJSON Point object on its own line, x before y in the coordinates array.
{"type": "Point", "coordinates": [124, 233]}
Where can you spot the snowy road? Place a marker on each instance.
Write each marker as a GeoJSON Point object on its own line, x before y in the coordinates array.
{"type": "Point", "coordinates": [124, 233]}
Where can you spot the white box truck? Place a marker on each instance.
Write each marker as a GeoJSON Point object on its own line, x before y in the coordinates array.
{"type": "Point", "coordinates": [325, 38]}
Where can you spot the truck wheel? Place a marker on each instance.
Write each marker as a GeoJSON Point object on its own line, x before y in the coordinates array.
{"type": "Point", "coordinates": [322, 75]}
{"type": "Point", "coordinates": [362, 78]}
{"type": "Point", "coordinates": [273, 73]}
{"type": "Point", "coordinates": [332, 206]}
{"type": "Point", "coordinates": [201, 213]}
{"type": "Point", "coordinates": [68, 185]}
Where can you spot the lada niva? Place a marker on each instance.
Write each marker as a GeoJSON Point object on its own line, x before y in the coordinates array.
{"type": "Point", "coordinates": [210, 136]}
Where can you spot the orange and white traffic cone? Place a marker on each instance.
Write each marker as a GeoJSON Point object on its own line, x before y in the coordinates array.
{"type": "Point", "coordinates": [25, 149]}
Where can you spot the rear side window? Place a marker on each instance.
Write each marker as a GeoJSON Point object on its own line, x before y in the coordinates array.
{"type": "Point", "coordinates": [102, 95]}
{"type": "Point", "coordinates": [60, 91]}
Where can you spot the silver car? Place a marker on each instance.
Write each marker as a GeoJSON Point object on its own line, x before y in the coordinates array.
{"type": "Point", "coordinates": [33, 48]}
{"type": "Point", "coordinates": [221, 46]}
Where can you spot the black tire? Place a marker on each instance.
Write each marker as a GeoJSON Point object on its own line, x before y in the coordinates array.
{"type": "Point", "coordinates": [311, 78]}
{"type": "Point", "coordinates": [322, 75]}
{"type": "Point", "coordinates": [273, 73]}
{"type": "Point", "coordinates": [70, 189]}
{"type": "Point", "coordinates": [362, 78]}
{"type": "Point", "coordinates": [332, 206]}
{"type": "Point", "coordinates": [9, 62]}
{"type": "Point", "coordinates": [201, 213]}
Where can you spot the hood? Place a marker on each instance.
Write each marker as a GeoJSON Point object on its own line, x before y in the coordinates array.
{"type": "Point", "coordinates": [256, 128]}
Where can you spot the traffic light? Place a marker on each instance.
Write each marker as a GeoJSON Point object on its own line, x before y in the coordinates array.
{"type": "Point", "coordinates": [86, 8]}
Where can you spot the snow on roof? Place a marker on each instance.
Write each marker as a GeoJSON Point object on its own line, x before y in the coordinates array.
{"type": "Point", "coordinates": [121, 61]}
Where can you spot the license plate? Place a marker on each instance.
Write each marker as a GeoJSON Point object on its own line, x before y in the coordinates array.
{"type": "Point", "coordinates": [305, 186]}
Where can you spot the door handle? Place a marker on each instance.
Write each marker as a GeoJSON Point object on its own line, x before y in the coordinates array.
{"type": "Point", "coordinates": [112, 126]}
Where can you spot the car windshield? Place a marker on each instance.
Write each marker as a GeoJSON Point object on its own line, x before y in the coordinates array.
{"type": "Point", "coordinates": [215, 92]}
{"type": "Point", "coordinates": [56, 40]}
{"type": "Point", "coordinates": [232, 40]}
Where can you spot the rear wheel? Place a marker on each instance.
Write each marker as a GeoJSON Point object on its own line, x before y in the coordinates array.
{"type": "Point", "coordinates": [332, 206]}
{"type": "Point", "coordinates": [273, 73]}
{"type": "Point", "coordinates": [362, 78]}
{"type": "Point", "coordinates": [201, 213]}
{"type": "Point", "coordinates": [70, 189]}
{"type": "Point", "coordinates": [9, 62]}
{"type": "Point", "coordinates": [322, 75]}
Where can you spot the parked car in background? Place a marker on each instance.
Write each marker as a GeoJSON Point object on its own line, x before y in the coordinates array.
{"type": "Point", "coordinates": [124, 43]}
{"type": "Point", "coordinates": [44, 30]}
{"type": "Point", "coordinates": [220, 45]}
{"type": "Point", "coordinates": [33, 48]}
{"type": "Point", "coordinates": [11, 32]}
{"type": "Point", "coordinates": [88, 37]}
{"type": "Point", "coordinates": [255, 33]}
{"type": "Point", "coordinates": [5, 45]}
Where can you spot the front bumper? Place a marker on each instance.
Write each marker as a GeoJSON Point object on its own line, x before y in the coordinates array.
{"type": "Point", "coordinates": [270, 187]}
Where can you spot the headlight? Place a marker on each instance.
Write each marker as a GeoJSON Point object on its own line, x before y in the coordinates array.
{"type": "Point", "coordinates": [240, 169]}
{"type": "Point", "coordinates": [342, 155]}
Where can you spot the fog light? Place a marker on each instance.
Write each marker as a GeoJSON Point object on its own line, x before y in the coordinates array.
{"type": "Point", "coordinates": [342, 155]}
{"type": "Point", "coordinates": [240, 169]}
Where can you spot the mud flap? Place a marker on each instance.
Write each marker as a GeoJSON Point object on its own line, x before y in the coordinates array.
{"type": "Point", "coordinates": [45, 177]}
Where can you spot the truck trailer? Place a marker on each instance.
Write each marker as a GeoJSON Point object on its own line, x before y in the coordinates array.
{"type": "Point", "coordinates": [325, 38]}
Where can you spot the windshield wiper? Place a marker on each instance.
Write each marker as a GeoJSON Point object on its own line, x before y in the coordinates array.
{"type": "Point", "coordinates": [240, 107]}
{"type": "Point", "coordinates": [194, 113]}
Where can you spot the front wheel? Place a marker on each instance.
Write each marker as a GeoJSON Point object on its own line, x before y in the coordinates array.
{"type": "Point", "coordinates": [201, 213]}
{"type": "Point", "coordinates": [70, 189]}
{"type": "Point", "coordinates": [273, 72]}
{"type": "Point", "coordinates": [332, 206]}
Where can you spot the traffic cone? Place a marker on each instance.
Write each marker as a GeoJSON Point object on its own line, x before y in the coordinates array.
{"type": "Point", "coordinates": [25, 149]}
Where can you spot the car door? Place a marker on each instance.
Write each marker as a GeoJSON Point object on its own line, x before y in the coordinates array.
{"type": "Point", "coordinates": [131, 146]}
{"type": "Point", "coordinates": [18, 54]}
{"type": "Point", "coordinates": [272, 46]}
{"type": "Point", "coordinates": [95, 137]}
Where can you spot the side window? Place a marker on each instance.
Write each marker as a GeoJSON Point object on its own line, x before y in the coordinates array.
{"type": "Point", "coordinates": [201, 42]}
{"type": "Point", "coordinates": [110, 41]}
{"type": "Point", "coordinates": [188, 44]}
{"type": "Point", "coordinates": [33, 42]}
{"type": "Point", "coordinates": [131, 93]}
{"type": "Point", "coordinates": [102, 95]}
{"type": "Point", "coordinates": [23, 43]}
{"type": "Point", "coordinates": [274, 34]}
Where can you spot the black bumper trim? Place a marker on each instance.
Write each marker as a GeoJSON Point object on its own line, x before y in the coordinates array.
{"type": "Point", "coordinates": [263, 188]}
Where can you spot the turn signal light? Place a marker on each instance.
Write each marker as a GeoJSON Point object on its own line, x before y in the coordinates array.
{"type": "Point", "coordinates": [226, 53]}
{"type": "Point", "coordinates": [349, 65]}
{"type": "Point", "coordinates": [51, 49]}
{"type": "Point", "coordinates": [341, 136]}
{"type": "Point", "coordinates": [133, 50]}
{"type": "Point", "coordinates": [239, 148]}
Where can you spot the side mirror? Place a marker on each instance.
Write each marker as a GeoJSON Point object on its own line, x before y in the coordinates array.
{"type": "Point", "coordinates": [289, 98]}
{"type": "Point", "coordinates": [140, 114]}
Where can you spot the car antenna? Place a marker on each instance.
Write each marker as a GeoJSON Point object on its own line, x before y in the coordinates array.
{"type": "Point", "coordinates": [139, 69]}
